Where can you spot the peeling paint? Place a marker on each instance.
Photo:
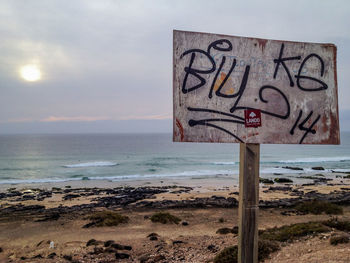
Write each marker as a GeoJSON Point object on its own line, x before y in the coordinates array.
{"type": "Point", "coordinates": [262, 43]}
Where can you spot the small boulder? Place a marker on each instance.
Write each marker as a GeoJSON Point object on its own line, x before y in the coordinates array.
{"type": "Point", "coordinates": [121, 255]}
{"type": "Point", "coordinates": [318, 168]}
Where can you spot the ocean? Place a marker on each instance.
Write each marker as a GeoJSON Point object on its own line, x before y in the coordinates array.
{"type": "Point", "coordinates": [118, 157]}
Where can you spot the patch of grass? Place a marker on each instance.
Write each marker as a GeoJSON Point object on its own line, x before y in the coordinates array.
{"type": "Point", "coordinates": [226, 230]}
{"type": "Point", "coordinates": [227, 255]}
{"type": "Point", "coordinates": [291, 232]}
{"type": "Point", "coordinates": [318, 207]}
{"type": "Point", "coordinates": [283, 180]}
{"type": "Point", "coordinates": [339, 225]}
{"type": "Point", "coordinates": [339, 239]}
{"type": "Point", "coordinates": [107, 218]}
{"type": "Point", "coordinates": [230, 254]}
{"type": "Point", "coordinates": [265, 181]}
{"type": "Point", "coordinates": [164, 218]}
{"type": "Point", "coordinates": [265, 248]}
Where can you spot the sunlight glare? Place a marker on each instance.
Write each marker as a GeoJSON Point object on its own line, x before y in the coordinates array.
{"type": "Point", "coordinates": [30, 72]}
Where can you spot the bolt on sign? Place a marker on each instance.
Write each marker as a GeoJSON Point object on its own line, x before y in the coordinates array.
{"type": "Point", "coordinates": [240, 89]}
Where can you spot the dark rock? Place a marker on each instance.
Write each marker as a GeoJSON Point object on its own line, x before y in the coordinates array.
{"type": "Point", "coordinates": [110, 250]}
{"type": "Point", "coordinates": [235, 230]}
{"type": "Point", "coordinates": [283, 180]}
{"type": "Point", "coordinates": [175, 242]}
{"type": "Point", "coordinates": [52, 255]}
{"type": "Point", "coordinates": [322, 180]}
{"type": "Point", "coordinates": [318, 168]}
{"type": "Point", "coordinates": [153, 238]}
{"type": "Point", "coordinates": [26, 197]}
{"type": "Point", "coordinates": [38, 256]}
{"type": "Point", "coordinates": [280, 188]}
{"type": "Point", "coordinates": [265, 181]}
{"type": "Point", "coordinates": [293, 168]}
{"type": "Point", "coordinates": [50, 217]}
{"type": "Point", "coordinates": [184, 223]}
{"type": "Point", "coordinates": [70, 196]}
{"type": "Point", "coordinates": [121, 255]}
{"type": "Point", "coordinates": [92, 242]}
{"type": "Point", "coordinates": [108, 243]}
{"type": "Point", "coordinates": [153, 235]}
{"type": "Point", "coordinates": [212, 248]}
{"type": "Point", "coordinates": [89, 225]}
{"type": "Point", "coordinates": [68, 257]}
{"type": "Point", "coordinates": [121, 247]}
{"type": "Point", "coordinates": [1, 250]}
{"type": "Point", "coordinates": [23, 258]}
{"type": "Point", "coordinates": [127, 247]}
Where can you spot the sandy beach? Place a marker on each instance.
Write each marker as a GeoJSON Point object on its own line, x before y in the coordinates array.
{"type": "Point", "coordinates": [50, 222]}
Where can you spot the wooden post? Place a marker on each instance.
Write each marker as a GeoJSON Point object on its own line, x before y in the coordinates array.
{"type": "Point", "coordinates": [248, 203]}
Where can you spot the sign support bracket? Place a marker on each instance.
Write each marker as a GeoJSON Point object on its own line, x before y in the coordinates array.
{"type": "Point", "coordinates": [248, 203]}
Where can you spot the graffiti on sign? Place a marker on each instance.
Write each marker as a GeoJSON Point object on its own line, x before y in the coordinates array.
{"type": "Point", "coordinates": [220, 82]}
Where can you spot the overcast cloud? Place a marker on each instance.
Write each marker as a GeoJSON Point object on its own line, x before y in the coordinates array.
{"type": "Point", "coordinates": [112, 60]}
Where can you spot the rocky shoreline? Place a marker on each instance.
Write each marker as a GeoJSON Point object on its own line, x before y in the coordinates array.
{"type": "Point", "coordinates": [144, 198]}
{"type": "Point", "coordinates": [57, 225]}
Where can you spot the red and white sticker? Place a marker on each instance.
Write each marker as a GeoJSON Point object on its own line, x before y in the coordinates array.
{"type": "Point", "coordinates": [252, 118]}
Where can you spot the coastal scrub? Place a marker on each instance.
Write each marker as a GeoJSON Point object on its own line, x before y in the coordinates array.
{"type": "Point", "coordinates": [338, 224]}
{"type": "Point", "coordinates": [318, 207]}
{"type": "Point", "coordinates": [265, 181]}
{"type": "Point", "coordinates": [230, 254]}
{"type": "Point", "coordinates": [106, 218]}
{"type": "Point", "coordinates": [339, 239]}
{"type": "Point", "coordinates": [165, 218]}
{"type": "Point", "coordinates": [291, 232]}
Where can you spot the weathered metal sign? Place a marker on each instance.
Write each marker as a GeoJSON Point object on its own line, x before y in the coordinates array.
{"type": "Point", "coordinates": [238, 89]}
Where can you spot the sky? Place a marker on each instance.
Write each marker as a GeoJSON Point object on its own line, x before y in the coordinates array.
{"type": "Point", "coordinates": [106, 66]}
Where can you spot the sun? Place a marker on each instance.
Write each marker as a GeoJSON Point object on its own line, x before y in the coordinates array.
{"type": "Point", "coordinates": [30, 72]}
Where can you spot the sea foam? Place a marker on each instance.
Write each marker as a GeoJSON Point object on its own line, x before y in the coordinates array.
{"type": "Point", "coordinates": [223, 163]}
{"type": "Point", "coordinates": [90, 164]}
{"type": "Point", "coordinates": [317, 160]}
